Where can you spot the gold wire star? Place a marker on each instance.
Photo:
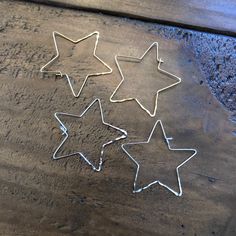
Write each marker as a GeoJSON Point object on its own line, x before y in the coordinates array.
{"type": "Point", "coordinates": [60, 73]}
{"type": "Point", "coordinates": [138, 60]}
{"type": "Point", "coordinates": [157, 181]}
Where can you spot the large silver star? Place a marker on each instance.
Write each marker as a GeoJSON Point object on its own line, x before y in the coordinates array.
{"type": "Point", "coordinates": [89, 71]}
{"type": "Point", "coordinates": [93, 131]}
{"type": "Point", "coordinates": [134, 155]}
{"type": "Point", "coordinates": [133, 87]}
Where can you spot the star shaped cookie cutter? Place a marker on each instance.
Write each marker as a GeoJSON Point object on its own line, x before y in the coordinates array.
{"type": "Point", "coordinates": [137, 190]}
{"type": "Point", "coordinates": [65, 132]}
{"type": "Point", "coordinates": [138, 60]}
{"type": "Point", "coordinates": [54, 34]}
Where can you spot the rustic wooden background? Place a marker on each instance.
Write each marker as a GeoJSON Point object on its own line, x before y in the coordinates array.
{"type": "Point", "coordinates": [216, 16]}
{"type": "Point", "coordinates": [39, 196]}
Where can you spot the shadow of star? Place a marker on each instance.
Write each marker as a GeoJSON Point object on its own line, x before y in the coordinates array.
{"type": "Point", "coordinates": [143, 79]}
{"type": "Point", "coordinates": [88, 135]}
{"type": "Point", "coordinates": [156, 161]}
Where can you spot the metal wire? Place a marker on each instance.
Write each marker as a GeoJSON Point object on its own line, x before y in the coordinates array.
{"type": "Point", "coordinates": [138, 60]}
{"type": "Point", "coordinates": [65, 132]}
{"type": "Point", "coordinates": [67, 76]}
{"type": "Point", "coordinates": [137, 190]}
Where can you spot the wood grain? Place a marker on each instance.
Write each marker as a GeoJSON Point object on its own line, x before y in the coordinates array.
{"type": "Point", "coordinates": [39, 196]}
{"type": "Point", "coordinates": [217, 16]}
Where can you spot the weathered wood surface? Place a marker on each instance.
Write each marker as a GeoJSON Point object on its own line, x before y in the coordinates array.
{"type": "Point", "coordinates": [212, 15]}
{"type": "Point", "coordinates": [39, 196]}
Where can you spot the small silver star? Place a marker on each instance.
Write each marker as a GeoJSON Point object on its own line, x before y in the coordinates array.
{"type": "Point", "coordinates": [137, 97]}
{"type": "Point", "coordinates": [60, 73]}
{"type": "Point", "coordinates": [157, 181]}
{"type": "Point", "coordinates": [65, 132]}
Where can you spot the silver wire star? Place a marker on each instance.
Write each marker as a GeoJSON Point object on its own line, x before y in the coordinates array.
{"type": "Point", "coordinates": [65, 132]}
{"type": "Point", "coordinates": [67, 76]}
{"type": "Point", "coordinates": [137, 190]}
{"type": "Point", "coordinates": [139, 59]}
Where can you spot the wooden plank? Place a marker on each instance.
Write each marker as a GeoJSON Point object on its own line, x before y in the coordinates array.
{"type": "Point", "coordinates": [217, 16]}
{"type": "Point", "coordinates": [39, 196]}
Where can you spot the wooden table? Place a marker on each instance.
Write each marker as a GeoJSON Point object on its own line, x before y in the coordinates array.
{"type": "Point", "coordinates": [39, 196]}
